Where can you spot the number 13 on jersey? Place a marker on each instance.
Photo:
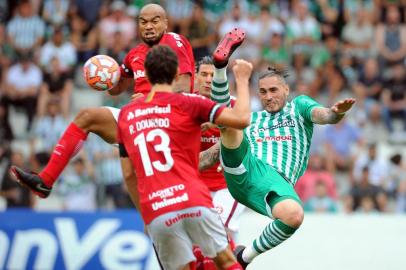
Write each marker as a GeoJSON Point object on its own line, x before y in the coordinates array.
{"type": "Point", "coordinates": [149, 166]}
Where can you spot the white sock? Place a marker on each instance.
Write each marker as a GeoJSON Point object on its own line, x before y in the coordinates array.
{"type": "Point", "coordinates": [249, 254]}
{"type": "Point", "coordinates": [220, 74]}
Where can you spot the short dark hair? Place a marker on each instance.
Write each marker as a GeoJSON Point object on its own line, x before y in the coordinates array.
{"type": "Point", "coordinates": [271, 71]}
{"type": "Point", "coordinates": [206, 60]}
{"type": "Point", "coordinates": [161, 65]}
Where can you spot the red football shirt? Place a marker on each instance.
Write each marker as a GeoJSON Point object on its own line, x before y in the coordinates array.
{"type": "Point", "coordinates": [213, 179]}
{"type": "Point", "coordinates": [162, 139]}
{"type": "Point", "coordinates": [133, 64]}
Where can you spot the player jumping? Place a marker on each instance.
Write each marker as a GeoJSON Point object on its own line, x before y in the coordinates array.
{"type": "Point", "coordinates": [263, 162]}
{"type": "Point", "coordinates": [152, 25]}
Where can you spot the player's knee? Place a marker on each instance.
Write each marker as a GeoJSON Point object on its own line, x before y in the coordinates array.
{"type": "Point", "coordinates": [294, 217]}
{"type": "Point", "coordinates": [85, 118]}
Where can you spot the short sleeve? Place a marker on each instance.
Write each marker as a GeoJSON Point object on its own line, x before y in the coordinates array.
{"type": "Point", "coordinates": [203, 109]}
{"type": "Point", "coordinates": [305, 106]}
{"type": "Point", "coordinates": [125, 68]}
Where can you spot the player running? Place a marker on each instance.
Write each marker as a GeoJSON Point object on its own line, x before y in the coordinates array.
{"type": "Point", "coordinates": [263, 163]}
{"type": "Point", "coordinates": [152, 24]}
{"type": "Point", "coordinates": [159, 137]}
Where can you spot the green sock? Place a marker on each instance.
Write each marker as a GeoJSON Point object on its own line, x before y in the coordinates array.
{"type": "Point", "coordinates": [219, 87]}
{"type": "Point", "coordinates": [274, 233]}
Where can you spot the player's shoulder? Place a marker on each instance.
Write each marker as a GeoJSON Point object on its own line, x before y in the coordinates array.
{"type": "Point", "coordinates": [193, 96]}
{"type": "Point", "coordinates": [140, 48]}
{"type": "Point", "coordinates": [171, 38]}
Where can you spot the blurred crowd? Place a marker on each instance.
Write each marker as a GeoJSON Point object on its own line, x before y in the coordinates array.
{"type": "Point", "coordinates": [331, 49]}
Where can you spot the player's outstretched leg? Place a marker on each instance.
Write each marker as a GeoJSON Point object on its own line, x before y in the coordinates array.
{"type": "Point", "coordinates": [288, 215]}
{"type": "Point", "coordinates": [230, 42]}
{"type": "Point", "coordinates": [96, 120]}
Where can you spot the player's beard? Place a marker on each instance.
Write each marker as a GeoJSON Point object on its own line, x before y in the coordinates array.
{"type": "Point", "coordinates": [155, 41]}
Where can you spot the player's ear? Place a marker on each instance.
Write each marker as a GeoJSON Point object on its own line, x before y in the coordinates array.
{"type": "Point", "coordinates": [177, 75]}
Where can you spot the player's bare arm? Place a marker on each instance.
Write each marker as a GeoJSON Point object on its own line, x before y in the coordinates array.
{"type": "Point", "coordinates": [209, 157]}
{"type": "Point", "coordinates": [123, 85]}
{"type": "Point", "coordinates": [130, 180]}
{"type": "Point", "coordinates": [334, 114]}
{"type": "Point", "coordinates": [182, 83]}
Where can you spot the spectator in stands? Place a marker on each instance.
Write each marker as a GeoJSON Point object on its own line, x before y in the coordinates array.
{"type": "Point", "coordinates": [396, 175]}
{"type": "Point", "coordinates": [119, 49]}
{"type": "Point", "coordinates": [302, 32]}
{"type": "Point", "coordinates": [328, 77]}
{"type": "Point", "coordinates": [377, 166]}
{"type": "Point", "coordinates": [6, 53]}
{"type": "Point", "coordinates": [316, 172]}
{"type": "Point", "coordinates": [276, 52]}
{"type": "Point", "coordinates": [49, 126]}
{"type": "Point", "coordinates": [88, 10]}
{"type": "Point", "coordinates": [320, 202]}
{"type": "Point", "coordinates": [84, 38]}
{"type": "Point", "coordinates": [6, 134]}
{"type": "Point", "coordinates": [358, 36]}
{"type": "Point", "coordinates": [55, 11]}
{"type": "Point", "coordinates": [391, 39]}
{"type": "Point", "coordinates": [199, 32]}
{"type": "Point", "coordinates": [394, 100]}
{"type": "Point", "coordinates": [363, 188]}
{"type": "Point", "coordinates": [57, 85]}
{"type": "Point", "coordinates": [15, 194]}
{"type": "Point", "coordinates": [340, 140]}
{"type": "Point", "coordinates": [238, 18]}
{"type": "Point", "coordinates": [329, 14]}
{"type": "Point", "coordinates": [23, 81]}
{"type": "Point", "coordinates": [77, 186]}
{"type": "Point", "coordinates": [178, 13]}
{"type": "Point", "coordinates": [63, 50]}
{"type": "Point", "coordinates": [26, 29]}
{"type": "Point", "coordinates": [368, 90]}
{"type": "Point", "coordinates": [116, 22]}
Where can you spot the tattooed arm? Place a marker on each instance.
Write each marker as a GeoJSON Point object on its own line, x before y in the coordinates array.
{"type": "Point", "coordinates": [209, 157]}
{"type": "Point", "coordinates": [334, 114]}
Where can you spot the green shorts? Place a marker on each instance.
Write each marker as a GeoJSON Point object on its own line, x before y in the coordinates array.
{"type": "Point", "coordinates": [254, 182]}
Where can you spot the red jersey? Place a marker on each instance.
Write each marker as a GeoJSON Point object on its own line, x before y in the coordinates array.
{"type": "Point", "coordinates": [161, 138]}
{"type": "Point", "coordinates": [213, 179]}
{"type": "Point", "coordinates": [133, 63]}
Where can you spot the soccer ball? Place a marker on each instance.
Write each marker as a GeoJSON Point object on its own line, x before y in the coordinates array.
{"type": "Point", "coordinates": [101, 72]}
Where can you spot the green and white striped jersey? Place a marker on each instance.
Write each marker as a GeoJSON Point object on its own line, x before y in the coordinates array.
{"type": "Point", "coordinates": [283, 139]}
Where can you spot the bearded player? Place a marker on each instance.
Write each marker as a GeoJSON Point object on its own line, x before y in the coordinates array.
{"type": "Point", "coordinates": [152, 24]}
{"type": "Point", "coordinates": [159, 139]}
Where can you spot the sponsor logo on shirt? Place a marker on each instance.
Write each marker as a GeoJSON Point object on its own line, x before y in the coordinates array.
{"type": "Point", "coordinates": [167, 192]}
{"type": "Point", "coordinates": [168, 202]}
{"type": "Point", "coordinates": [212, 139]}
{"type": "Point", "coordinates": [139, 74]}
{"type": "Point", "coordinates": [171, 221]}
{"type": "Point", "coordinates": [284, 123]}
{"type": "Point", "coordinates": [274, 138]}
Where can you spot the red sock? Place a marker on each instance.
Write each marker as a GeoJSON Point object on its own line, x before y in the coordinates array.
{"type": "Point", "coordinates": [68, 145]}
{"type": "Point", "coordinates": [235, 266]}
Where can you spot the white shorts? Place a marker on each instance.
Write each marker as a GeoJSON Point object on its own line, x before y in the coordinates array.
{"type": "Point", "coordinates": [175, 233]}
{"type": "Point", "coordinates": [114, 111]}
{"type": "Point", "coordinates": [228, 208]}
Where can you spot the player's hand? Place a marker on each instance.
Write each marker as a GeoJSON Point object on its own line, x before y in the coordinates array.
{"type": "Point", "coordinates": [242, 69]}
{"type": "Point", "coordinates": [136, 96]}
{"type": "Point", "coordinates": [207, 126]}
{"type": "Point", "coordinates": [343, 106]}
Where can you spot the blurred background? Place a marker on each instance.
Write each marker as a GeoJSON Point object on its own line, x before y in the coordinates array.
{"type": "Point", "coordinates": [331, 49]}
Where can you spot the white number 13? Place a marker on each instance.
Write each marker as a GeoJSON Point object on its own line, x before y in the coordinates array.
{"type": "Point", "coordinates": [163, 147]}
